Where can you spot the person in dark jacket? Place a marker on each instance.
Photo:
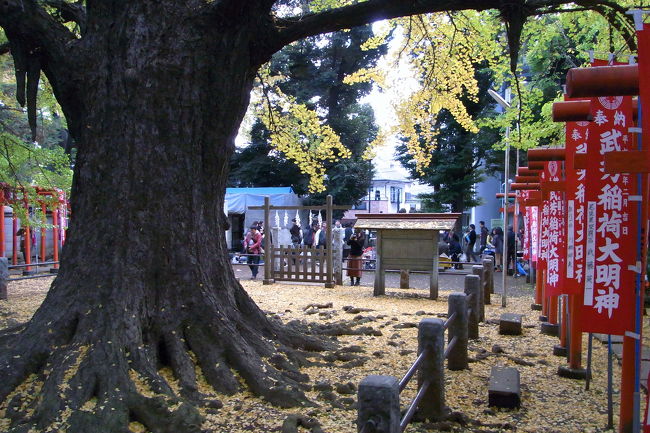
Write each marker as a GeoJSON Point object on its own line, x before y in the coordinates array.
{"type": "Point", "coordinates": [483, 236]}
{"type": "Point", "coordinates": [308, 238]}
{"type": "Point", "coordinates": [469, 252]}
{"type": "Point", "coordinates": [296, 234]}
{"type": "Point", "coordinates": [355, 262]}
{"type": "Point", "coordinates": [497, 240]}
{"type": "Point", "coordinates": [346, 237]}
{"type": "Point", "coordinates": [455, 250]}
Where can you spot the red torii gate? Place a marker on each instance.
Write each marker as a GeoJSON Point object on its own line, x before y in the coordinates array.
{"type": "Point", "coordinates": [10, 195]}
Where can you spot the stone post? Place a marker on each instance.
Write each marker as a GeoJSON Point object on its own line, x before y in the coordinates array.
{"type": "Point", "coordinates": [4, 278]}
{"type": "Point", "coordinates": [472, 287]}
{"type": "Point", "coordinates": [457, 303]}
{"type": "Point", "coordinates": [378, 405]}
{"type": "Point", "coordinates": [404, 276]}
{"type": "Point", "coordinates": [431, 338]}
{"type": "Point", "coordinates": [337, 254]}
{"type": "Point", "coordinates": [480, 271]}
{"type": "Point", "coordinates": [488, 276]}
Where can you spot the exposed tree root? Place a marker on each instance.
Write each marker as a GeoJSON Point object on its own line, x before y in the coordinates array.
{"type": "Point", "coordinates": [100, 370]}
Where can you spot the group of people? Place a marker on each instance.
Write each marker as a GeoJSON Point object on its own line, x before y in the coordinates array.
{"type": "Point", "coordinates": [314, 235]}
{"type": "Point", "coordinates": [487, 239]}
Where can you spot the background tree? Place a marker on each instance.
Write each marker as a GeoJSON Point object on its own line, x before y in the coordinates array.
{"type": "Point", "coordinates": [461, 157]}
{"type": "Point", "coordinates": [153, 94]}
{"type": "Point", "coordinates": [31, 157]}
{"type": "Point", "coordinates": [313, 71]}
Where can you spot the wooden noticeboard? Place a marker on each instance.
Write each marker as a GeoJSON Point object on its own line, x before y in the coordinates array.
{"type": "Point", "coordinates": [407, 242]}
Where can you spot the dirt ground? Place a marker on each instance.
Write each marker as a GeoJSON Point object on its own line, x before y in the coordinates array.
{"type": "Point", "coordinates": [549, 403]}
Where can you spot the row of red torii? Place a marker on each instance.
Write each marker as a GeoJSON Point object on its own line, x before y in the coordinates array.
{"type": "Point", "coordinates": [52, 200]}
{"type": "Point", "coordinates": [586, 215]}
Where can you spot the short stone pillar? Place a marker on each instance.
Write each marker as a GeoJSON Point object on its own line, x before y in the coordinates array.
{"type": "Point", "coordinates": [4, 278]}
{"type": "Point", "coordinates": [472, 283]}
{"type": "Point", "coordinates": [510, 324]}
{"type": "Point", "coordinates": [488, 274]}
{"type": "Point", "coordinates": [480, 271]}
{"type": "Point", "coordinates": [404, 277]}
{"type": "Point", "coordinates": [504, 389]}
{"type": "Point", "coordinates": [457, 304]}
{"type": "Point", "coordinates": [378, 405]}
{"type": "Point", "coordinates": [431, 338]}
{"type": "Point", "coordinates": [337, 254]}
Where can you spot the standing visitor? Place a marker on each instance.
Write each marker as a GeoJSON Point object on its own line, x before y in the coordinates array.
{"type": "Point", "coordinates": [253, 243]}
{"type": "Point", "coordinates": [296, 234]}
{"type": "Point", "coordinates": [308, 238]}
{"type": "Point", "coordinates": [497, 240]}
{"type": "Point", "coordinates": [356, 242]}
{"type": "Point", "coordinates": [484, 236]}
{"type": "Point", "coordinates": [455, 251]}
{"type": "Point", "coordinates": [346, 237]}
{"type": "Point", "coordinates": [469, 252]}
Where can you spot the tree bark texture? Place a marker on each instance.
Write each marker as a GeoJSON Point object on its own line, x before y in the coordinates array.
{"type": "Point", "coordinates": [153, 92]}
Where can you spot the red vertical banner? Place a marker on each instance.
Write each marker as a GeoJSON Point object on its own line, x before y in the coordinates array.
{"type": "Point", "coordinates": [533, 219]}
{"type": "Point", "coordinates": [576, 143]}
{"type": "Point", "coordinates": [544, 221]}
{"type": "Point", "coordinates": [523, 196]}
{"type": "Point", "coordinates": [555, 236]}
{"type": "Point", "coordinates": [611, 216]}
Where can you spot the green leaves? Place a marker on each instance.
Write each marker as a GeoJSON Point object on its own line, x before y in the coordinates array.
{"type": "Point", "coordinates": [26, 164]}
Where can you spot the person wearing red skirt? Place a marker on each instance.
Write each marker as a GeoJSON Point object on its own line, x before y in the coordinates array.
{"type": "Point", "coordinates": [355, 262]}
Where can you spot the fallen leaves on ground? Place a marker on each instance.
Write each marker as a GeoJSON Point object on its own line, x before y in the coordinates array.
{"type": "Point", "coordinates": [549, 403]}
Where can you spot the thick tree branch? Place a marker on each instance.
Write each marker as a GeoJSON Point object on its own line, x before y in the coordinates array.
{"type": "Point", "coordinates": [27, 21]}
{"type": "Point", "coordinates": [292, 29]}
{"type": "Point", "coordinates": [4, 48]}
{"type": "Point", "coordinates": [39, 42]}
{"type": "Point", "coordinates": [70, 12]}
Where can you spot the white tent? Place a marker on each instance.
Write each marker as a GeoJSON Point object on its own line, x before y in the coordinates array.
{"type": "Point", "coordinates": [240, 199]}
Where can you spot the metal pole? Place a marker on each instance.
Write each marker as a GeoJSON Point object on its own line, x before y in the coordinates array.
{"type": "Point", "coordinates": [515, 218]}
{"type": "Point", "coordinates": [504, 259]}
{"type": "Point", "coordinates": [590, 346]}
{"type": "Point", "coordinates": [610, 390]}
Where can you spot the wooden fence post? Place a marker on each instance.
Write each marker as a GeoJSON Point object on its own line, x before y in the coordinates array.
{"type": "Point", "coordinates": [480, 271]}
{"type": "Point", "coordinates": [457, 304]}
{"type": "Point", "coordinates": [378, 405]}
{"type": "Point", "coordinates": [472, 287]}
{"type": "Point", "coordinates": [268, 253]}
{"type": "Point", "coordinates": [431, 338]}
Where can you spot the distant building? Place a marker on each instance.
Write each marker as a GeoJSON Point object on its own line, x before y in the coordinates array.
{"type": "Point", "coordinates": [489, 209]}
{"type": "Point", "coordinates": [391, 191]}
